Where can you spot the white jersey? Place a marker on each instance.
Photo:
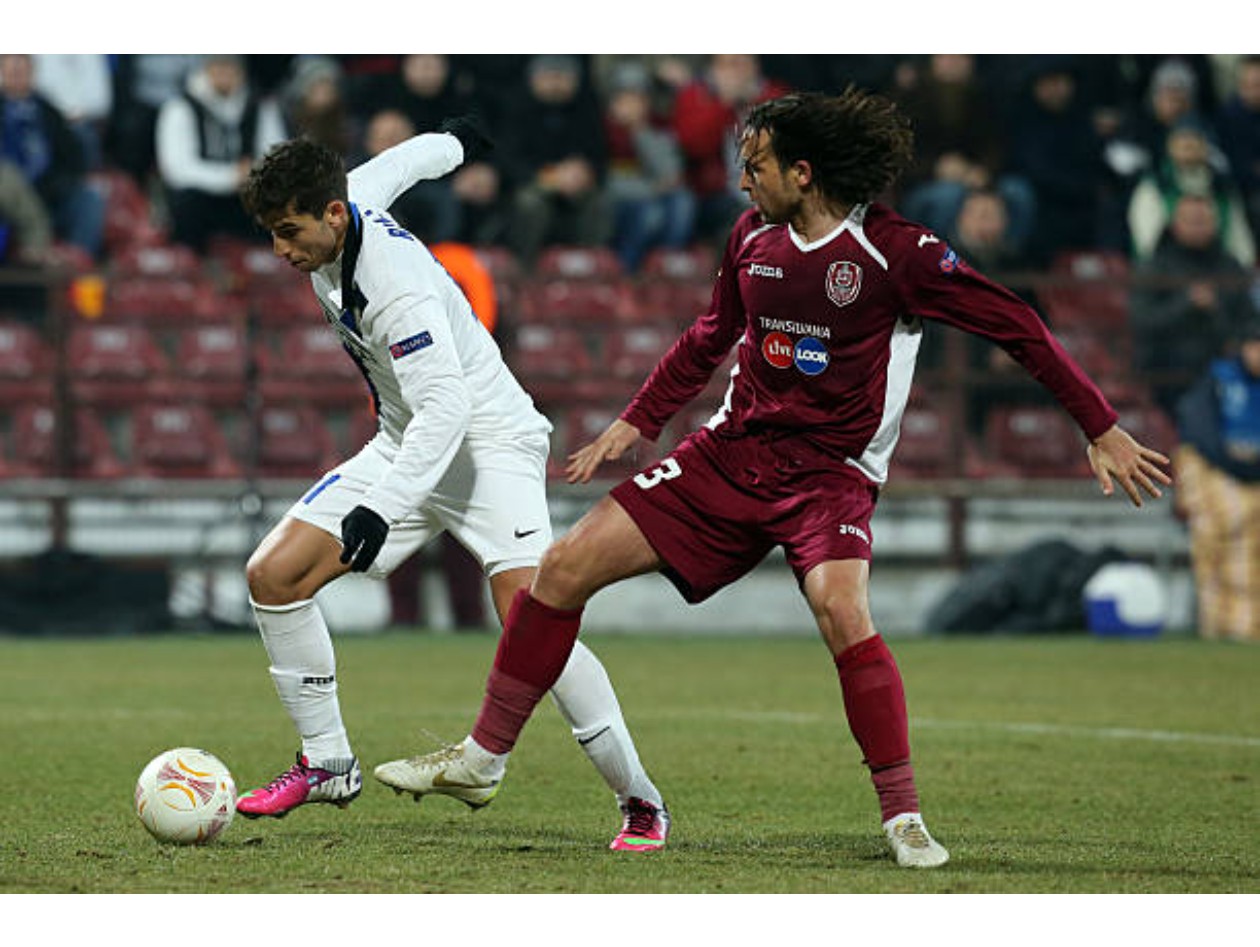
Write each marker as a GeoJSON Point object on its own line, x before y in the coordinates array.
{"type": "Point", "coordinates": [436, 374]}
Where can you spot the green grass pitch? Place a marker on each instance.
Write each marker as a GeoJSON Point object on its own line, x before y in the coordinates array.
{"type": "Point", "coordinates": [1061, 765]}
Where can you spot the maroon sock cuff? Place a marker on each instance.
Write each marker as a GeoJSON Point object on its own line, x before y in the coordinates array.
{"type": "Point", "coordinates": [537, 640]}
{"type": "Point", "coordinates": [524, 600]}
{"type": "Point", "coordinates": [866, 651]}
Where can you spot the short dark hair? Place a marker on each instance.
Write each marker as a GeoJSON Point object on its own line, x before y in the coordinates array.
{"type": "Point", "coordinates": [302, 173]}
{"type": "Point", "coordinates": [857, 143]}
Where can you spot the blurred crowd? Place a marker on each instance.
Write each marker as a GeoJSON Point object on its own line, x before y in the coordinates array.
{"type": "Point", "coordinates": [1021, 159]}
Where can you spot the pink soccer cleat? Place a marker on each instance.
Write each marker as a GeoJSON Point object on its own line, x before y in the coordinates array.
{"type": "Point", "coordinates": [303, 783]}
{"type": "Point", "coordinates": [645, 827]}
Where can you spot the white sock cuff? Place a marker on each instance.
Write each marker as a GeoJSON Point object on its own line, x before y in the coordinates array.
{"type": "Point", "coordinates": [280, 609]}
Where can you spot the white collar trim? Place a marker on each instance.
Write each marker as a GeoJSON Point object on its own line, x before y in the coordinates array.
{"type": "Point", "coordinates": [852, 222]}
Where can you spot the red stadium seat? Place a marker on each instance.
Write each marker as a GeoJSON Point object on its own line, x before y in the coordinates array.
{"type": "Point", "coordinates": [1149, 425]}
{"type": "Point", "coordinates": [568, 301]}
{"type": "Point", "coordinates": [1101, 354]}
{"type": "Point", "coordinates": [214, 360]}
{"type": "Point", "coordinates": [167, 301]}
{"type": "Point", "coordinates": [246, 263]}
{"type": "Point", "coordinates": [181, 441]}
{"type": "Point", "coordinates": [70, 258]}
{"type": "Point", "coordinates": [1088, 288]}
{"type": "Point", "coordinates": [33, 438]}
{"type": "Point", "coordinates": [550, 361]}
{"type": "Point", "coordinates": [283, 303]}
{"type": "Point", "coordinates": [633, 351]}
{"type": "Point", "coordinates": [550, 351]}
{"type": "Point", "coordinates": [697, 265]}
{"type": "Point", "coordinates": [26, 364]}
{"type": "Point", "coordinates": [116, 365]}
{"type": "Point", "coordinates": [578, 263]}
{"type": "Point", "coordinates": [294, 441]}
{"type": "Point", "coordinates": [129, 219]}
{"type": "Point", "coordinates": [172, 260]}
{"type": "Point", "coordinates": [502, 263]}
{"type": "Point", "coordinates": [678, 303]}
{"type": "Point", "coordinates": [1034, 442]}
{"type": "Point", "coordinates": [307, 363]}
{"type": "Point", "coordinates": [929, 444]}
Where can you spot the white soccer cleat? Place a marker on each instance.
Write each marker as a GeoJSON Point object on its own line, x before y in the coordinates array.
{"type": "Point", "coordinates": [912, 844]}
{"type": "Point", "coordinates": [445, 772]}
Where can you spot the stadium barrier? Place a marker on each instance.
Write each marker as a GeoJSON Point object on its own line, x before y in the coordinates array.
{"type": "Point", "coordinates": [174, 420]}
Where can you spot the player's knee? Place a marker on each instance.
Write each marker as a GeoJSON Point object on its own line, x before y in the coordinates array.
{"type": "Point", "coordinates": [561, 579]}
{"type": "Point", "coordinates": [267, 581]}
{"type": "Point", "coordinates": [844, 622]}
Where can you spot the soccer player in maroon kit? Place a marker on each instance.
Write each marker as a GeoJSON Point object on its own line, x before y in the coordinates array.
{"type": "Point", "coordinates": [825, 291]}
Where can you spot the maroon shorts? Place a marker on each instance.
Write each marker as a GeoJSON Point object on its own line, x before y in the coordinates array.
{"type": "Point", "coordinates": [717, 505]}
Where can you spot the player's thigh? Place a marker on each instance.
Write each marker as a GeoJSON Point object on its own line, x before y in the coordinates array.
{"type": "Point", "coordinates": [339, 491]}
{"type": "Point", "coordinates": [705, 527]}
{"type": "Point", "coordinates": [493, 500]}
{"type": "Point", "coordinates": [293, 562]}
{"type": "Point", "coordinates": [603, 547]}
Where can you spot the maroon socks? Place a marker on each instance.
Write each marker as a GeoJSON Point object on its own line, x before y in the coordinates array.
{"type": "Point", "coordinates": [875, 703]}
{"type": "Point", "coordinates": [535, 646]}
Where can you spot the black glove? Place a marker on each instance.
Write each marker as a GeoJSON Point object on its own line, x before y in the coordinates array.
{"type": "Point", "coordinates": [472, 135]}
{"type": "Point", "coordinates": [362, 536]}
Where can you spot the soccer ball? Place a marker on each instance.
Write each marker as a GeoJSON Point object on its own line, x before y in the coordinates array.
{"type": "Point", "coordinates": [185, 796]}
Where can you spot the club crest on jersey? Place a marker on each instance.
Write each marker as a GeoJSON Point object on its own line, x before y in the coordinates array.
{"type": "Point", "coordinates": [844, 280]}
{"type": "Point", "coordinates": [413, 344]}
{"type": "Point", "coordinates": [949, 261]}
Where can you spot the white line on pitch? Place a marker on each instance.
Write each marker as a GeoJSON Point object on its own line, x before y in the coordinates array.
{"type": "Point", "coordinates": [1102, 733]}
{"type": "Point", "coordinates": [1049, 729]}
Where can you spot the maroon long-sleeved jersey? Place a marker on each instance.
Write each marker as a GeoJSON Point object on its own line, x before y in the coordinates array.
{"type": "Point", "coordinates": [828, 333]}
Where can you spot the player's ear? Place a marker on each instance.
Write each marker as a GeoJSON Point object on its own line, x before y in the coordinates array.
{"type": "Point", "coordinates": [804, 174]}
{"type": "Point", "coordinates": [336, 214]}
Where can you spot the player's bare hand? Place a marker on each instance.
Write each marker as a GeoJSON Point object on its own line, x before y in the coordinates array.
{"type": "Point", "coordinates": [617, 438]}
{"type": "Point", "coordinates": [1115, 454]}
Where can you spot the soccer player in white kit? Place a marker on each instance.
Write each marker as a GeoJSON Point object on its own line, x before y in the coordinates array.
{"type": "Point", "coordinates": [459, 447]}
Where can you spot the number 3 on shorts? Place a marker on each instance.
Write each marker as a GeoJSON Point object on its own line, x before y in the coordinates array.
{"type": "Point", "coordinates": [668, 470]}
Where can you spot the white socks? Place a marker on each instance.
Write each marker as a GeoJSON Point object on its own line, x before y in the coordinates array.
{"type": "Point", "coordinates": [586, 699]}
{"type": "Point", "coordinates": [303, 669]}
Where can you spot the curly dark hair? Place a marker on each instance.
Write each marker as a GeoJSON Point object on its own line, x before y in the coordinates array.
{"type": "Point", "coordinates": [858, 143]}
{"type": "Point", "coordinates": [302, 173]}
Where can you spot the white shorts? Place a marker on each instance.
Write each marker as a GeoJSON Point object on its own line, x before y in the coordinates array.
{"type": "Point", "coordinates": [492, 499]}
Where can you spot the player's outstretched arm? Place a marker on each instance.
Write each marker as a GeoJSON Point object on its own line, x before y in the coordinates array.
{"type": "Point", "coordinates": [617, 438]}
{"type": "Point", "coordinates": [1116, 454]}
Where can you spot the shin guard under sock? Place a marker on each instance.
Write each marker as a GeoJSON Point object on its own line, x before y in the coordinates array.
{"type": "Point", "coordinates": [875, 704]}
{"type": "Point", "coordinates": [533, 650]}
